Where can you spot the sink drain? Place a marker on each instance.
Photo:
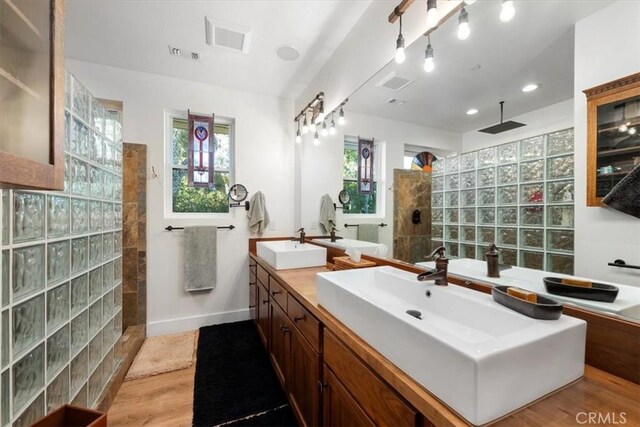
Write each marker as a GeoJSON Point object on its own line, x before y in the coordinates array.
{"type": "Point", "coordinates": [415, 313]}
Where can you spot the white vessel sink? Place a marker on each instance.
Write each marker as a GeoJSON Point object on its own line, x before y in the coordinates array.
{"type": "Point", "coordinates": [285, 254]}
{"type": "Point", "coordinates": [482, 359]}
{"type": "Point", "coordinates": [366, 248]}
{"type": "Point", "coordinates": [627, 302]}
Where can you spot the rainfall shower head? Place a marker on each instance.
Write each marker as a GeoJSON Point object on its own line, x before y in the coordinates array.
{"type": "Point", "coordinates": [502, 126]}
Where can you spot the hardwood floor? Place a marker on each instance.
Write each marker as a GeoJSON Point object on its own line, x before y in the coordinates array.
{"type": "Point", "coordinates": [159, 401]}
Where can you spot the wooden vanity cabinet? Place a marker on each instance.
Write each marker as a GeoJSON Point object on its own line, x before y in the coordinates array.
{"type": "Point", "coordinates": [339, 407]}
{"type": "Point", "coordinates": [303, 379]}
{"type": "Point", "coordinates": [262, 308]}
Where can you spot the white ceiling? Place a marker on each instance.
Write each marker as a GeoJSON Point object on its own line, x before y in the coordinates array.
{"type": "Point", "coordinates": [536, 46]}
{"type": "Point", "coordinates": [135, 35]}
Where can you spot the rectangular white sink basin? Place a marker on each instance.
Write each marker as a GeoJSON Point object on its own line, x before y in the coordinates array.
{"type": "Point", "coordinates": [366, 248]}
{"type": "Point", "coordinates": [627, 303]}
{"type": "Point", "coordinates": [285, 254]}
{"type": "Point", "coordinates": [481, 359]}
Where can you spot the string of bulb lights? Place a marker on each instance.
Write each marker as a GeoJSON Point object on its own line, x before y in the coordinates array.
{"type": "Point", "coordinates": [317, 125]}
{"type": "Point", "coordinates": [507, 13]}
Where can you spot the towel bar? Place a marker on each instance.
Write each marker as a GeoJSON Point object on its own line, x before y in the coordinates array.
{"type": "Point", "coordinates": [382, 224]}
{"type": "Point", "coordinates": [171, 228]}
{"type": "Point", "coordinates": [622, 264]}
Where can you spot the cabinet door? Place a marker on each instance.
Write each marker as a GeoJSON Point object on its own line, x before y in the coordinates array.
{"type": "Point", "coordinates": [340, 409]}
{"type": "Point", "coordinates": [280, 343]}
{"type": "Point", "coordinates": [304, 377]}
{"type": "Point", "coordinates": [262, 307]}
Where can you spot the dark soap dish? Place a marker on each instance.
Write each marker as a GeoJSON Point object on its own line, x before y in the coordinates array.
{"type": "Point", "coordinates": [544, 309]}
{"type": "Point", "coordinates": [597, 291]}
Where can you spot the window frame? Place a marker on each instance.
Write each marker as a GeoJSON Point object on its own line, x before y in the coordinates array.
{"type": "Point", "coordinates": [169, 116]}
{"type": "Point", "coordinates": [379, 167]}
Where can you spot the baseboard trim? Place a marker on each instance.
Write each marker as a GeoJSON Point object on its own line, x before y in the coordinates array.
{"type": "Point", "coordinates": [184, 324]}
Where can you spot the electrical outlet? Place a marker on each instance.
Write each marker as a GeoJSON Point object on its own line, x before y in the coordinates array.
{"type": "Point", "coordinates": [272, 226]}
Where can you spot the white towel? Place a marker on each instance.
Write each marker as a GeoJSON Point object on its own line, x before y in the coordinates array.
{"type": "Point", "coordinates": [258, 215]}
{"type": "Point", "coordinates": [327, 214]}
{"type": "Point", "coordinates": [200, 258]}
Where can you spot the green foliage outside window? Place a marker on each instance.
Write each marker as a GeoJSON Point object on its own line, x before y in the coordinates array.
{"type": "Point", "coordinates": [359, 203]}
{"type": "Point", "coordinates": [187, 199]}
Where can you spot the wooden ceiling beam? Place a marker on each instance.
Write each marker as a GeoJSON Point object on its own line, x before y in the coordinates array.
{"type": "Point", "coordinates": [399, 10]}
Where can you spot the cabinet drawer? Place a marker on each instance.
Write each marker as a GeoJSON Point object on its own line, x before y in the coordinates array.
{"type": "Point", "coordinates": [377, 399]}
{"type": "Point", "coordinates": [263, 277]}
{"type": "Point", "coordinates": [278, 293]}
{"type": "Point", "coordinates": [306, 322]}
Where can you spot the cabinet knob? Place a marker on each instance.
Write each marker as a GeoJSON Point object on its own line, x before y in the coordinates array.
{"type": "Point", "coordinates": [284, 329]}
{"type": "Point", "coordinates": [265, 301]}
{"type": "Point", "coordinates": [322, 386]}
{"type": "Point", "coordinates": [276, 292]}
{"type": "Point", "coordinates": [297, 319]}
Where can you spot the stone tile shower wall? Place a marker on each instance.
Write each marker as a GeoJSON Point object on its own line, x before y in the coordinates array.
{"type": "Point", "coordinates": [519, 195]}
{"type": "Point", "coordinates": [61, 280]}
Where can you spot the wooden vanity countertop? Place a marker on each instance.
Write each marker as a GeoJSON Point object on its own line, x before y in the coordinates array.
{"type": "Point", "coordinates": [597, 392]}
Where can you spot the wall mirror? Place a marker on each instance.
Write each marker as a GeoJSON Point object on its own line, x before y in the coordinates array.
{"type": "Point", "coordinates": [238, 192]}
{"type": "Point", "coordinates": [516, 188]}
{"type": "Point", "coordinates": [32, 95]}
{"type": "Point", "coordinates": [344, 197]}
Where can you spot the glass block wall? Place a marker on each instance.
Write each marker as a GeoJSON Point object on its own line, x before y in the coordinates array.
{"type": "Point", "coordinates": [519, 195]}
{"type": "Point", "coordinates": [61, 277]}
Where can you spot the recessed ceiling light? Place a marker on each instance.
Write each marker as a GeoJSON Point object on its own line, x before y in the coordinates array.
{"type": "Point", "coordinates": [530, 87]}
{"type": "Point", "coordinates": [288, 53]}
{"type": "Point", "coordinates": [472, 111]}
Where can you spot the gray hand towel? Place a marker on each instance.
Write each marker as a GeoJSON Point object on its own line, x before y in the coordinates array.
{"type": "Point", "coordinates": [327, 214]}
{"type": "Point", "coordinates": [625, 196]}
{"type": "Point", "coordinates": [200, 268]}
{"type": "Point", "coordinates": [368, 232]}
{"type": "Point", "coordinates": [258, 215]}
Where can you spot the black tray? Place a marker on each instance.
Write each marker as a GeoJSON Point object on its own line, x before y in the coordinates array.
{"type": "Point", "coordinates": [597, 291]}
{"type": "Point", "coordinates": [544, 309]}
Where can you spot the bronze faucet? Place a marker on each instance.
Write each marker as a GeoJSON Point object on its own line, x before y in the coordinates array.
{"type": "Point", "coordinates": [332, 235]}
{"type": "Point", "coordinates": [493, 267]}
{"type": "Point", "coordinates": [439, 276]}
{"type": "Point", "coordinates": [301, 238]}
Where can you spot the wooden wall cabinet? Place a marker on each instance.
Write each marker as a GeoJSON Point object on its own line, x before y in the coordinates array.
{"type": "Point", "coordinates": [613, 134]}
{"type": "Point", "coordinates": [32, 95]}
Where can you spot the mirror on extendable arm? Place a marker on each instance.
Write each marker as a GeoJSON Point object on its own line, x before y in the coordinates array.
{"type": "Point", "coordinates": [344, 197]}
{"type": "Point", "coordinates": [238, 193]}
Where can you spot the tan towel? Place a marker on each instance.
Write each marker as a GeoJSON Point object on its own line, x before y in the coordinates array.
{"type": "Point", "coordinates": [368, 232]}
{"type": "Point", "coordinates": [258, 215]}
{"type": "Point", "coordinates": [200, 258]}
{"type": "Point", "coordinates": [327, 214]}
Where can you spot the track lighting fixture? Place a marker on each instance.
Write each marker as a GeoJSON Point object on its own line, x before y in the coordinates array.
{"type": "Point", "coordinates": [324, 131]}
{"type": "Point", "coordinates": [463, 25]}
{"type": "Point", "coordinates": [341, 120]}
{"type": "Point", "coordinates": [508, 11]}
{"type": "Point", "coordinates": [432, 13]}
{"type": "Point", "coordinates": [332, 129]}
{"type": "Point", "coordinates": [400, 55]}
{"type": "Point", "coordinates": [429, 63]}
{"type": "Point", "coordinates": [298, 136]}
{"type": "Point", "coordinates": [320, 116]}
{"type": "Point", "coordinates": [305, 126]}
{"type": "Point", "coordinates": [316, 139]}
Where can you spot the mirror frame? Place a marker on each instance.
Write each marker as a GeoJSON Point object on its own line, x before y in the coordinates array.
{"type": "Point", "coordinates": [20, 172]}
{"type": "Point", "coordinates": [237, 186]}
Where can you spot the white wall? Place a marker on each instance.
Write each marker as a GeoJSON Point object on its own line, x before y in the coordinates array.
{"type": "Point", "coordinates": [544, 120]}
{"type": "Point", "coordinates": [264, 161]}
{"type": "Point", "coordinates": [322, 166]}
{"type": "Point", "coordinates": [607, 48]}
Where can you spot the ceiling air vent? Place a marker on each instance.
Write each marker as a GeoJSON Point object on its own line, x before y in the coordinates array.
{"type": "Point", "coordinates": [393, 82]}
{"type": "Point", "coordinates": [229, 36]}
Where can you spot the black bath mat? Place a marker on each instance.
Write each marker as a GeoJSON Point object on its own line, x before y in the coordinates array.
{"type": "Point", "coordinates": [234, 380]}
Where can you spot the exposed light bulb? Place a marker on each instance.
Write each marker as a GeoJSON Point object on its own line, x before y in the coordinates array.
{"type": "Point", "coordinates": [332, 129]}
{"type": "Point", "coordinates": [324, 131]}
{"type": "Point", "coordinates": [298, 137]}
{"type": "Point", "coordinates": [312, 127]}
{"type": "Point", "coordinates": [632, 131]}
{"type": "Point", "coordinates": [463, 25]}
{"type": "Point", "coordinates": [508, 11]}
{"type": "Point", "coordinates": [623, 128]}
{"type": "Point", "coordinates": [341, 120]}
{"type": "Point", "coordinates": [400, 55]}
{"type": "Point", "coordinates": [316, 139]}
{"type": "Point", "coordinates": [429, 64]}
{"type": "Point", "coordinates": [432, 13]}
{"type": "Point", "coordinates": [305, 126]}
